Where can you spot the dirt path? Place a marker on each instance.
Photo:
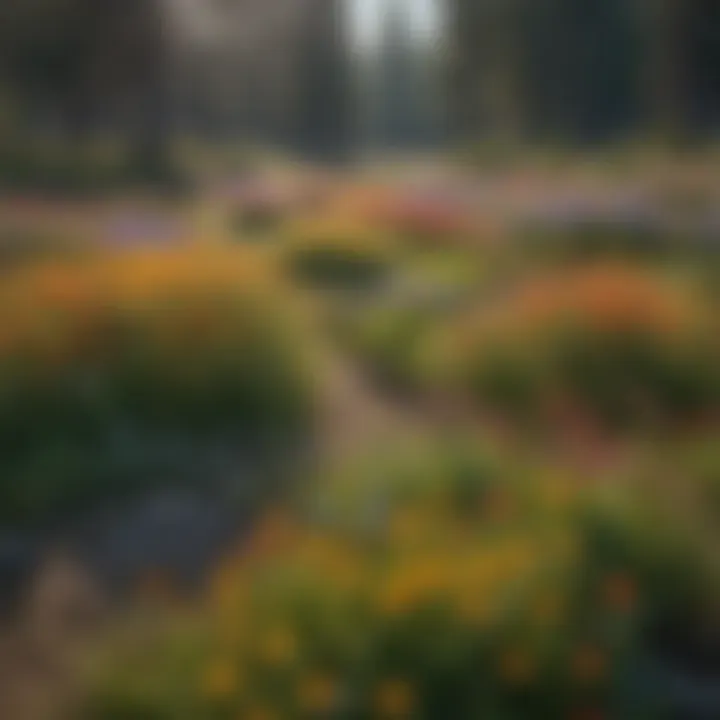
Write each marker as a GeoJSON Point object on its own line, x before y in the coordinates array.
{"type": "Point", "coordinates": [41, 646]}
{"type": "Point", "coordinates": [357, 417]}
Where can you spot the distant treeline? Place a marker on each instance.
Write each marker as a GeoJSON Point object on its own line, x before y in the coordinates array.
{"type": "Point", "coordinates": [585, 70]}
{"type": "Point", "coordinates": [578, 71]}
{"type": "Point", "coordinates": [74, 70]}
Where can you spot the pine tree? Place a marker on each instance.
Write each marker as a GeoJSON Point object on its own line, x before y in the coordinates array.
{"type": "Point", "coordinates": [397, 82]}
{"type": "Point", "coordinates": [323, 112]}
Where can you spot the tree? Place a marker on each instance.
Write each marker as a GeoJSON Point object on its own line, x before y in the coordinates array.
{"type": "Point", "coordinates": [84, 65]}
{"type": "Point", "coordinates": [396, 95]}
{"type": "Point", "coordinates": [323, 108]}
{"type": "Point", "coordinates": [682, 61]}
{"type": "Point", "coordinates": [586, 71]}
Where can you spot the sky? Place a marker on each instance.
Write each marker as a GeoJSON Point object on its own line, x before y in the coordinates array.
{"type": "Point", "coordinates": [366, 16]}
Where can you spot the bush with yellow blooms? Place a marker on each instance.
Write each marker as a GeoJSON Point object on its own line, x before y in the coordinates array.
{"type": "Point", "coordinates": [445, 584]}
{"type": "Point", "coordinates": [108, 357]}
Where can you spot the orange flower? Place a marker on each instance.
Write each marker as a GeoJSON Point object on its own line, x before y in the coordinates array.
{"type": "Point", "coordinates": [395, 699]}
{"type": "Point", "coordinates": [413, 584]}
{"type": "Point", "coordinates": [317, 694]}
{"type": "Point", "coordinates": [589, 664]}
{"type": "Point", "coordinates": [407, 526]}
{"type": "Point", "coordinates": [605, 299]}
{"type": "Point", "coordinates": [227, 589]}
{"type": "Point", "coordinates": [499, 506]}
{"type": "Point", "coordinates": [620, 592]}
{"type": "Point", "coordinates": [276, 532]}
{"type": "Point", "coordinates": [219, 680]}
{"type": "Point", "coordinates": [157, 586]}
{"type": "Point", "coordinates": [517, 667]}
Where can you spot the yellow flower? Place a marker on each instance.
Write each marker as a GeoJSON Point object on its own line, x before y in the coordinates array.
{"type": "Point", "coordinates": [519, 559]}
{"type": "Point", "coordinates": [547, 609]}
{"type": "Point", "coordinates": [475, 609]}
{"type": "Point", "coordinates": [219, 680]}
{"type": "Point", "coordinates": [516, 667]}
{"type": "Point", "coordinates": [332, 558]}
{"type": "Point", "coordinates": [558, 491]}
{"type": "Point", "coordinates": [409, 586]}
{"type": "Point", "coordinates": [395, 699]}
{"type": "Point", "coordinates": [258, 713]}
{"type": "Point", "coordinates": [227, 587]}
{"type": "Point", "coordinates": [317, 694]}
{"type": "Point", "coordinates": [279, 647]}
{"type": "Point", "coordinates": [407, 527]}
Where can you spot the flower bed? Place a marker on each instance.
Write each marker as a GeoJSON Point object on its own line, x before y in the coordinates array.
{"type": "Point", "coordinates": [624, 346]}
{"type": "Point", "coordinates": [444, 581]}
{"type": "Point", "coordinates": [426, 221]}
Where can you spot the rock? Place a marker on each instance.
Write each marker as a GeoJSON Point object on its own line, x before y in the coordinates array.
{"type": "Point", "coordinates": [19, 559]}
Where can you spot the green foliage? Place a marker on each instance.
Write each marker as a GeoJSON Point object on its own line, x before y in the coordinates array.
{"type": "Point", "coordinates": [85, 170]}
{"type": "Point", "coordinates": [582, 239]}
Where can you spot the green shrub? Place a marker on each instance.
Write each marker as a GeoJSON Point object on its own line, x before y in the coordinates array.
{"type": "Point", "coordinates": [597, 237]}
{"type": "Point", "coordinates": [619, 345]}
{"type": "Point", "coordinates": [331, 253]}
{"type": "Point", "coordinates": [88, 170]}
{"type": "Point", "coordinates": [388, 344]}
{"type": "Point", "coordinates": [107, 365]}
{"type": "Point", "coordinates": [258, 216]}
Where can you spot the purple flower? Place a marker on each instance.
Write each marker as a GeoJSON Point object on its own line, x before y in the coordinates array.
{"type": "Point", "coordinates": [140, 230]}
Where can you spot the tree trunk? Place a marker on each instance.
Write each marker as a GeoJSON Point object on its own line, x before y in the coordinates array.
{"type": "Point", "coordinates": [665, 68]}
